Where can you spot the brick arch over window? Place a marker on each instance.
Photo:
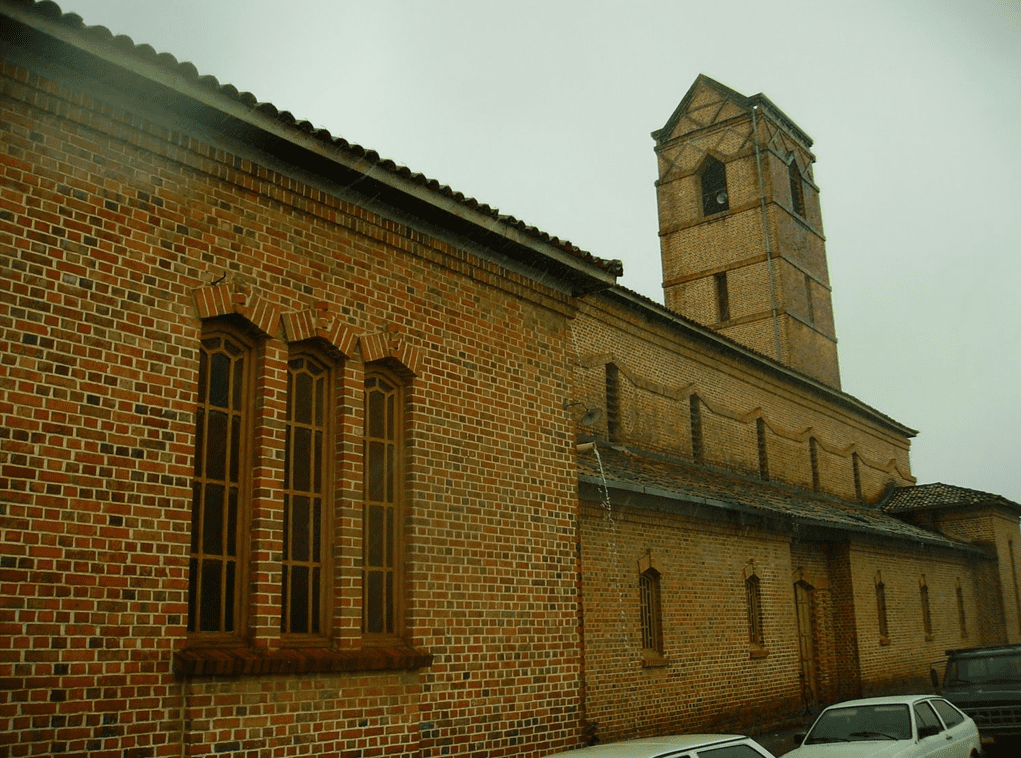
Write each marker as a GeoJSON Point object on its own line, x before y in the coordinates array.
{"type": "Point", "coordinates": [389, 350]}
{"type": "Point", "coordinates": [232, 299]}
{"type": "Point", "coordinates": [317, 324]}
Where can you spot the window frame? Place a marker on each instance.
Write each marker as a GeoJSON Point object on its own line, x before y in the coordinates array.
{"type": "Point", "coordinates": [651, 612]}
{"type": "Point", "coordinates": [241, 400]}
{"type": "Point", "coordinates": [392, 560]}
{"type": "Point", "coordinates": [308, 351]}
{"type": "Point", "coordinates": [753, 601]}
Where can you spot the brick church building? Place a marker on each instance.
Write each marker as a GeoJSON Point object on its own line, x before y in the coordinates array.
{"type": "Point", "coordinates": [303, 453]}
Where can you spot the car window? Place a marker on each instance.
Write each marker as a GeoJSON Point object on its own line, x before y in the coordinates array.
{"type": "Point", "coordinates": [739, 750]}
{"type": "Point", "coordinates": [950, 715]}
{"type": "Point", "coordinates": [926, 716]}
{"type": "Point", "coordinates": [862, 723]}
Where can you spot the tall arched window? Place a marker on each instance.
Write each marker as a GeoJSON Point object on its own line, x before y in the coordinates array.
{"type": "Point", "coordinates": [307, 459]}
{"type": "Point", "coordinates": [221, 485]}
{"type": "Point", "coordinates": [884, 627]}
{"type": "Point", "coordinates": [381, 574]}
{"type": "Point", "coordinates": [652, 619]}
{"type": "Point", "coordinates": [713, 179]}
{"type": "Point", "coordinates": [753, 596]}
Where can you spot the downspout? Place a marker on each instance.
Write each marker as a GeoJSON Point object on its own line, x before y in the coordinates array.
{"type": "Point", "coordinates": [766, 235]}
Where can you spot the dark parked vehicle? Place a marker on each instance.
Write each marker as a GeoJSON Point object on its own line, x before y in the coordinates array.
{"type": "Point", "coordinates": [985, 683]}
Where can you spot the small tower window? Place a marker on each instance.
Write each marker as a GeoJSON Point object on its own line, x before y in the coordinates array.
{"type": "Point", "coordinates": [697, 451]}
{"type": "Point", "coordinates": [797, 190]}
{"type": "Point", "coordinates": [714, 187]}
{"type": "Point", "coordinates": [613, 402]}
{"type": "Point", "coordinates": [722, 296]}
{"type": "Point", "coordinates": [760, 434]}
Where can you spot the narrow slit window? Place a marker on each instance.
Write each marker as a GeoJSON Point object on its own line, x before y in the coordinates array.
{"type": "Point", "coordinates": [651, 613]}
{"type": "Point", "coordinates": [884, 628]}
{"type": "Point", "coordinates": [813, 455]}
{"type": "Point", "coordinates": [797, 188]}
{"type": "Point", "coordinates": [722, 296]}
{"type": "Point", "coordinates": [962, 619]}
{"type": "Point", "coordinates": [697, 445]}
{"type": "Point", "coordinates": [856, 470]}
{"type": "Point", "coordinates": [760, 435]}
{"type": "Point", "coordinates": [753, 596]}
{"type": "Point", "coordinates": [926, 611]}
{"type": "Point", "coordinates": [613, 402]}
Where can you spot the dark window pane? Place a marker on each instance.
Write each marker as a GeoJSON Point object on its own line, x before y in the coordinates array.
{"type": "Point", "coordinates": [315, 600]}
{"type": "Point", "coordinates": [390, 417]}
{"type": "Point", "coordinates": [239, 379]}
{"type": "Point", "coordinates": [376, 472]}
{"type": "Point", "coordinates": [376, 405]}
{"type": "Point", "coordinates": [374, 602]}
{"type": "Point", "coordinates": [211, 588]}
{"type": "Point", "coordinates": [390, 474]}
{"type": "Point", "coordinates": [219, 381]}
{"type": "Point", "coordinates": [389, 543]}
{"type": "Point", "coordinates": [212, 520]}
{"type": "Point", "coordinates": [389, 621]}
{"type": "Point", "coordinates": [228, 599]}
{"type": "Point", "coordinates": [303, 398]}
{"type": "Point", "coordinates": [288, 459]}
{"type": "Point", "coordinates": [299, 599]}
{"type": "Point", "coordinates": [375, 551]}
{"type": "Point", "coordinates": [317, 513]}
{"type": "Point", "coordinates": [216, 446]}
{"type": "Point", "coordinates": [302, 458]}
{"type": "Point", "coordinates": [320, 399]}
{"type": "Point", "coordinates": [232, 522]}
{"type": "Point", "coordinates": [299, 528]}
{"type": "Point", "coordinates": [235, 448]}
{"type": "Point", "coordinates": [317, 463]}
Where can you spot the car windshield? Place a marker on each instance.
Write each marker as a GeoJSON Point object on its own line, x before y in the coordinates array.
{"type": "Point", "coordinates": [996, 668]}
{"type": "Point", "coordinates": [865, 722]}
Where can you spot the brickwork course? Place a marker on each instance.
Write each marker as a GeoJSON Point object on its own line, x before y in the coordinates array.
{"type": "Point", "coordinates": [477, 583]}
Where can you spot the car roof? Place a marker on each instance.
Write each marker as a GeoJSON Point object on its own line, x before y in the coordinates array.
{"type": "Point", "coordinates": [651, 747]}
{"type": "Point", "coordinates": [886, 700]}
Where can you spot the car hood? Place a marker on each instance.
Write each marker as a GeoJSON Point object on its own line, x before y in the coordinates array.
{"type": "Point", "coordinates": [988, 693]}
{"type": "Point", "coordinates": [862, 749]}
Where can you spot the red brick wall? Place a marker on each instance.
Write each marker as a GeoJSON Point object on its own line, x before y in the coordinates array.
{"type": "Point", "coordinates": [109, 222]}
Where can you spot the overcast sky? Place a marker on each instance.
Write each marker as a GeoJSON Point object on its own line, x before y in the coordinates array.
{"type": "Point", "coordinates": [544, 109]}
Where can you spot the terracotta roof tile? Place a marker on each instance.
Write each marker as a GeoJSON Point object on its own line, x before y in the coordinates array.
{"type": "Point", "coordinates": [683, 481]}
{"type": "Point", "coordinates": [939, 495]}
{"type": "Point", "coordinates": [188, 71]}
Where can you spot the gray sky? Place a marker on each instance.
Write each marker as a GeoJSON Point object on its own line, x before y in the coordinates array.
{"type": "Point", "coordinates": [544, 109]}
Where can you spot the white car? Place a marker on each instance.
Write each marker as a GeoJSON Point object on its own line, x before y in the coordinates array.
{"type": "Point", "coordinates": [676, 746]}
{"type": "Point", "coordinates": [904, 726]}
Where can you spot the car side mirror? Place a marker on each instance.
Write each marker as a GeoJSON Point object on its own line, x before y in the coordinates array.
{"type": "Point", "coordinates": [927, 731]}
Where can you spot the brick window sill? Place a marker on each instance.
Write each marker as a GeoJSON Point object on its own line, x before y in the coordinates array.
{"type": "Point", "coordinates": [251, 662]}
{"type": "Point", "coordinates": [884, 641]}
{"type": "Point", "coordinates": [758, 652]}
{"type": "Point", "coordinates": [652, 659]}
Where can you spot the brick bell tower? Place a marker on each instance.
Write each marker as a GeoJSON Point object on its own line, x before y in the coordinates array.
{"type": "Point", "coordinates": [741, 230]}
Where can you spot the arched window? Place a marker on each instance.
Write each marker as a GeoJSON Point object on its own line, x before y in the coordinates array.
{"type": "Point", "coordinates": [697, 442]}
{"type": "Point", "coordinates": [753, 596]}
{"type": "Point", "coordinates": [884, 627]}
{"type": "Point", "coordinates": [383, 440]}
{"type": "Point", "coordinates": [926, 611]}
{"type": "Point", "coordinates": [307, 478]}
{"type": "Point", "coordinates": [221, 495]}
{"type": "Point", "coordinates": [652, 619]}
{"type": "Point", "coordinates": [713, 179]}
